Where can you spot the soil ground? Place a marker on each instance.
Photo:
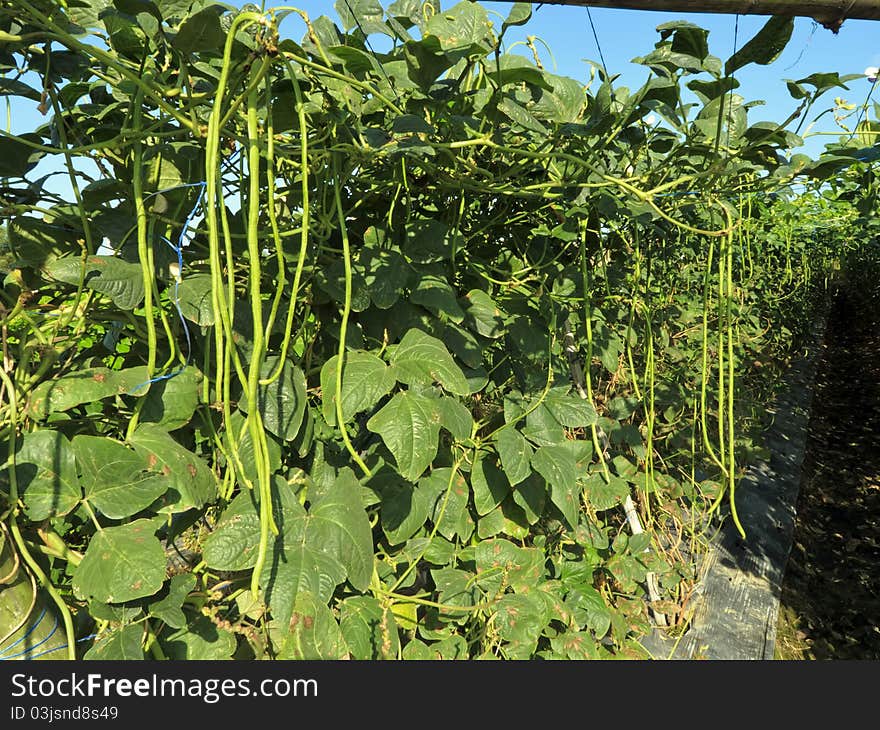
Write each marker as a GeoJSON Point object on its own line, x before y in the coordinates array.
{"type": "Point", "coordinates": [830, 603]}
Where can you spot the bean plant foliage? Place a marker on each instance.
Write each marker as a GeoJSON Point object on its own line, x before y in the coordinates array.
{"type": "Point", "coordinates": [406, 348]}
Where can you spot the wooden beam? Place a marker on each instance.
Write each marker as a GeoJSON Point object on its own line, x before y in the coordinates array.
{"type": "Point", "coordinates": [830, 13]}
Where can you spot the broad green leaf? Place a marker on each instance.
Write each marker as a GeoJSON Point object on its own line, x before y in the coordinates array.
{"type": "Point", "coordinates": [120, 280]}
{"type": "Point", "coordinates": [483, 315]}
{"type": "Point", "coordinates": [519, 620]}
{"type": "Point", "coordinates": [201, 32]}
{"type": "Point", "coordinates": [115, 479]}
{"type": "Point", "coordinates": [168, 609]}
{"type": "Point", "coordinates": [171, 403]}
{"type": "Point", "coordinates": [531, 495]}
{"type": "Point", "coordinates": [569, 409]}
{"type": "Point", "coordinates": [410, 427]}
{"type": "Point", "coordinates": [515, 453]}
{"type": "Point", "coordinates": [191, 483]}
{"type": "Point", "coordinates": [194, 294]}
{"type": "Point", "coordinates": [16, 158]}
{"type": "Point", "coordinates": [84, 386]}
{"type": "Point", "coordinates": [46, 474]}
{"type": "Point", "coordinates": [488, 483]}
{"type": "Point", "coordinates": [455, 417]}
{"type": "Point", "coordinates": [314, 551]}
{"type": "Point", "coordinates": [604, 495]}
{"type": "Point", "coordinates": [232, 545]}
{"type": "Point", "coordinates": [282, 402]}
{"type": "Point", "coordinates": [339, 525]}
{"type": "Point", "coordinates": [365, 380]}
{"type": "Point", "coordinates": [435, 294]}
{"type": "Point", "coordinates": [519, 15]}
{"type": "Point", "coordinates": [14, 87]}
{"type": "Point", "coordinates": [36, 242]}
{"type": "Point", "coordinates": [764, 47]}
{"type": "Point", "coordinates": [521, 568]}
{"type": "Point", "coordinates": [200, 640]}
{"type": "Point", "coordinates": [370, 631]}
{"type": "Point", "coordinates": [311, 633]}
{"type": "Point", "coordinates": [363, 14]}
{"type": "Point", "coordinates": [589, 609]}
{"type": "Point", "coordinates": [422, 359]}
{"type": "Point", "coordinates": [405, 508]}
{"type": "Point", "coordinates": [121, 564]}
{"type": "Point", "coordinates": [449, 496]}
{"type": "Point", "coordinates": [455, 588]}
{"type": "Point", "coordinates": [123, 643]}
{"type": "Point", "coordinates": [558, 467]}
{"type": "Point", "coordinates": [521, 116]}
{"type": "Point", "coordinates": [542, 428]}
{"type": "Point", "coordinates": [463, 27]}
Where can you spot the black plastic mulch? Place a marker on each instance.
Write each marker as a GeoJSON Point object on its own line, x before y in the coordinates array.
{"type": "Point", "coordinates": [832, 580]}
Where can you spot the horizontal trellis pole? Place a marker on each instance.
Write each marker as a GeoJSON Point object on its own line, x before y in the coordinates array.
{"type": "Point", "coordinates": [830, 13]}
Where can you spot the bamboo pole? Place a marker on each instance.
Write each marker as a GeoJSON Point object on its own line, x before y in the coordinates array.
{"type": "Point", "coordinates": [830, 13]}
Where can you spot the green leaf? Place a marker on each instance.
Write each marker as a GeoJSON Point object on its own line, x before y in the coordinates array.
{"type": "Point", "coordinates": [410, 427]}
{"type": "Point", "coordinates": [519, 15]}
{"type": "Point", "coordinates": [765, 47]}
{"type": "Point", "coordinates": [121, 564]}
{"type": "Point", "coordinates": [364, 14]}
{"type": "Point", "coordinates": [519, 620]}
{"type": "Point", "coordinates": [191, 483]}
{"type": "Point", "coordinates": [194, 293]}
{"type": "Point", "coordinates": [282, 402]}
{"type": "Point", "coordinates": [456, 519]}
{"type": "Point", "coordinates": [115, 479]}
{"type": "Point", "coordinates": [35, 242]}
{"type": "Point", "coordinates": [311, 633]}
{"type": "Point", "coordinates": [16, 158]}
{"type": "Point", "coordinates": [589, 609]}
{"type": "Point", "coordinates": [200, 640]}
{"type": "Point", "coordinates": [522, 568]}
{"type": "Point", "coordinates": [84, 386]}
{"type": "Point", "coordinates": [455, 417]}
{"type": "Point", "coordinates": [569, 409]}
{"type": "Point", "coordinates": [123, 643]}
{"type": "Point", "coordinates": [370, 631]}
{"type": "Point", "coordinates": [531, 495]}
{"type": "Point", "coordinates": [435, 294]}
{"type": "Point", "coordinates": [314, 552]}
{"type": "Point", "coordinates": [46, 473]}
{"type": "Point", "coordinates": [602, 495]}
{"type": "Point", "coordinates": [405, 507]}
{"type": "Point", "coordinates": [201, 32]}
{"type": "Point", "coordinates": [120, 280]}
{"type": "Point", "coordinates": [14, 87]}
{"type": "Point", "coordinates": [365, 381]}
{"type": "Point", "coordinates": [515, 453]}
{"type": "Point", "coordinates": [422, 359]}
{"type": "Point", "coordinates": [171, 403]}
{"type": "Point", "coordinates": [483, 315]}
{"type": "Point", "coordinates": [489, 484]}
{"type": "Point", "coordinates": [558, 466]}
{"type": "Point", "coordinates": [340, 526]}
{"type": "Point", "coordinates": [521, 116]}
{"type": "Point", "coordinates": [464, 27]}
{"type": "Point", "coordinates": [169, 609]}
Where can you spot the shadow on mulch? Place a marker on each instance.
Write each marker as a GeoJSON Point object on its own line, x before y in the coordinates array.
{"type": "Point", "coordinates": [830, 603]}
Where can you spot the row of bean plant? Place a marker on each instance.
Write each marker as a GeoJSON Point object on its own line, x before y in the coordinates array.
{"type": "Point", "coordinates": [386, 342]}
